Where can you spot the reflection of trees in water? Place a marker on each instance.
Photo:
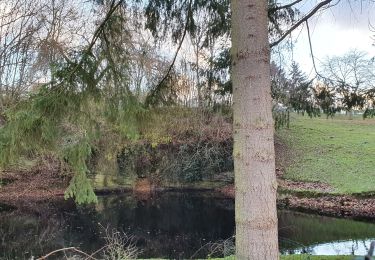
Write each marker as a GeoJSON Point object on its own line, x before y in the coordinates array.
{"type": "Point", "coordinates": [169, 225]}
{"type": "Point", "coordinates": [350, 247]}
{"type": "Point", "coordinates": [311, 230]}
{"type": "Point", "coordinates": [290, 246]}
{"type": "Point", "coordinates": [29, 234]}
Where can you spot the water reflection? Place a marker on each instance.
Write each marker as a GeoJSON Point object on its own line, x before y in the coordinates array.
{"type": "Point", "coordinates": [318, 235]}
{"type": "Point", "coordinates": [168, 225]}
{"type": "Point", "coordinates": [351, 247]}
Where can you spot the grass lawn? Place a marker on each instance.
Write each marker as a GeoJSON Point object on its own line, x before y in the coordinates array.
{"type": "Point", "coordinates": [306, 257]}
{"type": "Point", "coordinates": [296, 257]}
{"type": "Point", "coordinates": [338, 151]}
{"type": "Point", "coordinates": [302, 257]}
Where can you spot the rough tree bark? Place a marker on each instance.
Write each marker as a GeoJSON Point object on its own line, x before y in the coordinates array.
{"type": "Point", "coordinates": [254, 155]}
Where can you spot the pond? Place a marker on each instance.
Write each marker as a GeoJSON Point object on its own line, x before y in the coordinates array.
{"type": "Point", "coordinates": [167, 225]}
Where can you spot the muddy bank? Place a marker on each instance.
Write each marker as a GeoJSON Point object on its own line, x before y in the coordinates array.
{"type": "Point", "coordinates": [314, 201]}
{"type": "Point", "coordinates": [43, 182]}
{"type": "Point", "coordinates": [206, 163]}
{"type": "Point", "coordinates": [336, 206]}
{"type": "Point", "coordinates": [189, 162]}
{"type": "Point", "coordinates": [27, 191]}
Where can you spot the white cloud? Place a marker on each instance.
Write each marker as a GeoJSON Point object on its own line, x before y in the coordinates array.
{"type": "Point", "coordinates": [336, 31]}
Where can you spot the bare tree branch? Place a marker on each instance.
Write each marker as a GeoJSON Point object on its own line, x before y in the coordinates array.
{"type": "Point", "coordinates": [302, 20]}
{"type": "Point", "coordinates": [276, 8]}
{"type": "Point", "coordinates": [311, 51]}
{"type": "Point", "coordinates": [67, 249]}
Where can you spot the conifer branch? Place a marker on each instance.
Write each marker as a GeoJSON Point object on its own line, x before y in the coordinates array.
{"type": "Point", "coordinates": [97, 32]}
{"type": "Point", "coordinates": [175, 55]}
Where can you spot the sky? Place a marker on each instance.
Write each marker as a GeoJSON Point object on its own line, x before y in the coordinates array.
{"type": "Point", "coordinates": [334, 32]}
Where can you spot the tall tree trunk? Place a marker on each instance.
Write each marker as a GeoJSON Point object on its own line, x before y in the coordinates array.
{"type": "Point", "coordinates": [254, 154]}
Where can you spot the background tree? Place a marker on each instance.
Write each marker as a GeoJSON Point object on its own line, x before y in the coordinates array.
{"type": "Point", "coordinates": [300, 92]}
{"type": "Point", "coordinates": [34, 36]}
{"type": "Point", "coordinates": [351, 76]}
{"type": "Point", "coordinates": [279, 84]}
{"type": "Point", "coordinates": [325, 98]}
{"type": "Point", "coordinates": [18, 28]}
{"type": "Point", "coordinates": [370, 104]}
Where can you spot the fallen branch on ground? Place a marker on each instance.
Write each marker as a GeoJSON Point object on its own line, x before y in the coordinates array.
{"type": "Point", "coordinates": [67, 249]}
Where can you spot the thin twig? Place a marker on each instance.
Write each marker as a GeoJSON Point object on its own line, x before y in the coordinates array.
{"type": "Point", "coordinates": [97, 251]}
{"type": "Point", "coordinates": [311, 49]}
{"type": "Point", "coordinates": [276, 8]}
{"type": "Point", "coordinates": [312, 54]}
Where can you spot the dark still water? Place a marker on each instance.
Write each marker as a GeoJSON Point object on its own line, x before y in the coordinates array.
{"type": "Point", "coordinates": [166, 225]}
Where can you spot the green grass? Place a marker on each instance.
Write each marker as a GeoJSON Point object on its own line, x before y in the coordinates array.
{"type": "Point", "coordinates": [337, 151]}
{"type": "Point", "coordinates": [306, 257]}
{"type": "Point", "coordinates": [296, 257]}
{"type": "Point", "coordinates": [301, 257]}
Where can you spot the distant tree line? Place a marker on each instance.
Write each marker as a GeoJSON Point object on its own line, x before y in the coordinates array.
{"type": "Point", "coordinates": [346, 83]}
{"type": "Point", "coordinates": [162, 52]}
